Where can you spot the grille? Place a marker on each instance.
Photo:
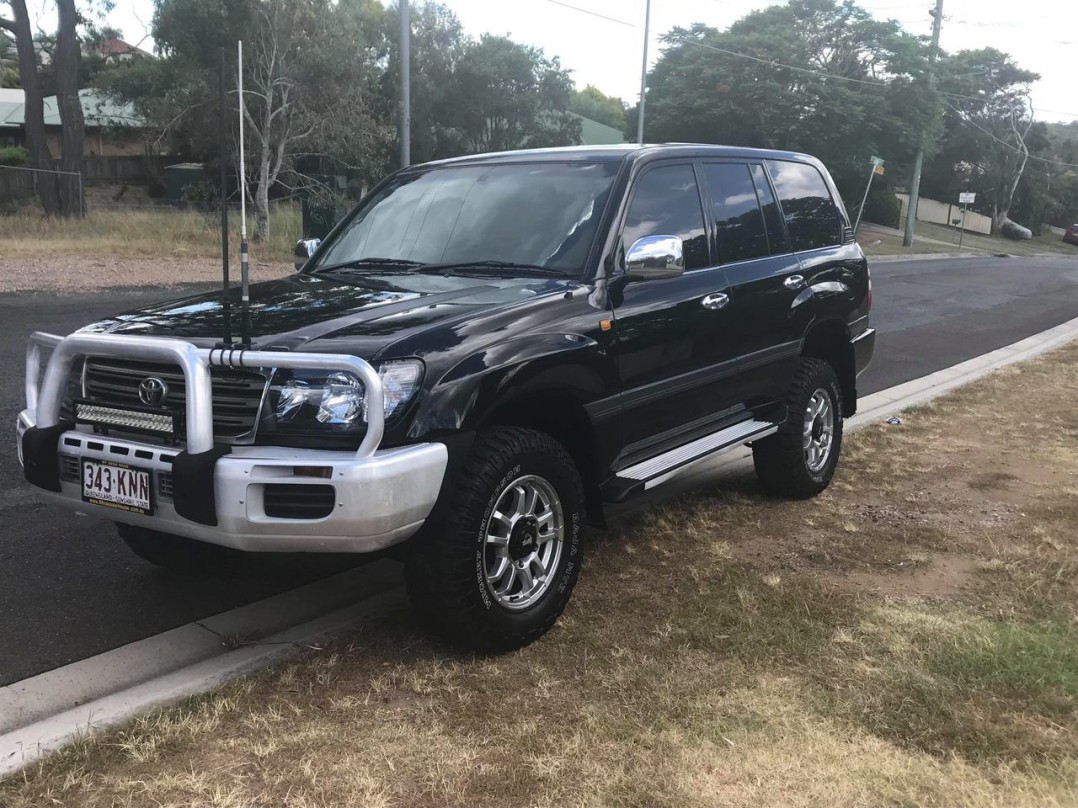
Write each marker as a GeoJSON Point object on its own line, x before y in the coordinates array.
{"type": "Point", "coordinates": [70, 468]}
{"type": "Point", "coordinates": [164, 485]}
{"type": "Point", "coordinates": [237, 394]}
{"type": "Point", "coordinates": [298, 501]}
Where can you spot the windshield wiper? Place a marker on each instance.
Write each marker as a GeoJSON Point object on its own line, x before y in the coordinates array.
{"type": "Point", "coordinates": [373, 263]}
{"type": "Point", "coordinates": [490, 268]}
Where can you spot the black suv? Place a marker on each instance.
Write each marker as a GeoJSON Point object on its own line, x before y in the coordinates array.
{"type": "Point", "coordinates": [477, 359]}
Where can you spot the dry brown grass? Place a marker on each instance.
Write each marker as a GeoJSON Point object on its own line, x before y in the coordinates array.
{"type": "Point", "coordinates": [137, 234]}
{"type": "Point", "coordinates": [908, 638]}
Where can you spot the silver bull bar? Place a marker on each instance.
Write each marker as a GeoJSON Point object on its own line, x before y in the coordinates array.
{"type": "Point", "coordinates": [382, 496]}
{"type": "Point", "coordinates": [44, 396]}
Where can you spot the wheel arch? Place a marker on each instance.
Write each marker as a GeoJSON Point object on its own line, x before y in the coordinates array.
{"type": "Point", "coordinates": [829, 340]}
{"type": "Point", "coordinates": [557, 413]}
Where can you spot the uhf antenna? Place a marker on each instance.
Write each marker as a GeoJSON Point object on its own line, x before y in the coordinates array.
{"type": "Point", "coordinates": [223, 132]}
{"type": "Point", "coordinates": [245, 295]}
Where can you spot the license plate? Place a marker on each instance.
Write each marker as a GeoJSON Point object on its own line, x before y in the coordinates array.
{"type": "Point", "coordinates": [116, 485]}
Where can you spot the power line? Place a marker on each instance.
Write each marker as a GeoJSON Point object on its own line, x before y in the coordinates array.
{"type": "Point", "coordinates": [759, 59]}
{"type": "Point", "coordinates": [773, 62]}
{"type": "Point", "coordinates": [1010, 146]}
{"type": "Point", "coordinates": [594, 14]}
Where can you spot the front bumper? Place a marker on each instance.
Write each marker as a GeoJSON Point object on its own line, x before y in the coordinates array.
{"type": "Point", "coordinates": [378, 500]}
{"type": "Point", "coordinates": [366, 500]}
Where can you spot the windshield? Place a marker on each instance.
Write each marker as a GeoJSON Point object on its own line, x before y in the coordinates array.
{"type": "Point", "coordinates": [535, 214]}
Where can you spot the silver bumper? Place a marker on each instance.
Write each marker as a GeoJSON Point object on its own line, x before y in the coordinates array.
{"type": "Point", "coordinates": [380, 496]}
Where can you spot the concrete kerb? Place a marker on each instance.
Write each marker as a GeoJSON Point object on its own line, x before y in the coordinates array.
{"type": "Point", "coordinates": [44, 712]}
{"type": "Point", "coordinates": [887, 259]}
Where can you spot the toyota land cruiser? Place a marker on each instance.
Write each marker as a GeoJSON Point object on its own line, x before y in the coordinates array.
{"type": "Point", "coordinates": [483, 354]}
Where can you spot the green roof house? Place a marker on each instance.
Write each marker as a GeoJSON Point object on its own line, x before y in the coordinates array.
{"type": "Point", "coordinates": [594, 133]}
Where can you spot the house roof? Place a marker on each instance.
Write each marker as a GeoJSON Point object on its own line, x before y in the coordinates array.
{"type": "Point", "coordinates": [593, 133]}
{"type": "Point", "coordinates": [98, 110]}
{"type": "Point", "coordinates": [117, 47]}
{"type": "Point", "coordinates": [11, 101]}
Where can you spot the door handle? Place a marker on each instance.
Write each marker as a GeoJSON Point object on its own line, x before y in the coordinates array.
{"type": "Point", "coordinates": [715, 301]}
{"type": "Point", "coordinates": [794, 282]}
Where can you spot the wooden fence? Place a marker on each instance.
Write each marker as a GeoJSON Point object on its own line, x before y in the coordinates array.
{"type": "Point", "coordinates": [96, 170]}
{"type": "Point", "coordinates": [936, 212]}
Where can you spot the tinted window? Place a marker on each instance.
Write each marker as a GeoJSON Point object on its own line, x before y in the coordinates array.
{"type": "Point", "coordinates": [544, 214]}
{"type": "Point", "coordinates": [812, 218]}
{"type": "Point", "coordinates": [666, 203]}
{"type": "Point", "coordinates": [739, 224]}
{"type": "Point", "coordinates": [776, 235]}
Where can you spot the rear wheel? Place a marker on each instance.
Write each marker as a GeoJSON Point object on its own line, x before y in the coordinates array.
{"type": "Point", "coordinates": [800, 459]}
{"type": "Point", "coordinates": [175, 553]}
{"type": "Point", "coordinates": [500, 569]}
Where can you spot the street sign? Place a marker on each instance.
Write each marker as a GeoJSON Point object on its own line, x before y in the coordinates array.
{"type": "Point", "coordinates": [966, 198]}
{"type": "Point", "coordinates": [877, 168]}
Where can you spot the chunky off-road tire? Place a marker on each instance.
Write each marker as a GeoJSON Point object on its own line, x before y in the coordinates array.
{"type": "Point", "coordinates": [790, 463]}
{"type": "Point", "coordinates": [521, 486]}
{"type": "Point", "coordinates": [177, 554]}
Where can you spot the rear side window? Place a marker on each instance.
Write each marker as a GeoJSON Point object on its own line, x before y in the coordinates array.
{"type": "Point", "coordinates": [812, 218]}
{"type": "Point", "coordinates": [776, 233]}
{"type": "Point", "coordinates": [739, 223]}
{"type": "Point", "coordinates": [666, 202]}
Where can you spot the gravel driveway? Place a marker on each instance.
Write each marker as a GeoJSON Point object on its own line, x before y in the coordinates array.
{"type": "Point", "coordinates": [73, 273]}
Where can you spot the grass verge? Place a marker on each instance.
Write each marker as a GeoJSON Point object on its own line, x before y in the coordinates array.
{"type": "Point", "coordinates": [139, 234]}
{"type": "Point", "coordinates": [908, 638]}
{"type": "Point", "coordinates": [934, 238]}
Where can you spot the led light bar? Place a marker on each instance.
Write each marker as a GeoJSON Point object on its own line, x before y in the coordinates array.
{"type": "Point", "coordinates": [103, 415]}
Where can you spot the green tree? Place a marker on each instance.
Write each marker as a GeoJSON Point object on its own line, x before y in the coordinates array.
{"type": "Point", "coordinates": [437, 45]}
{"type": "Point", "coordinates": [59, 193]}
{"type": "Point", "coordinates": [9, 62]}
{"type": "Point", "coordinates": [824, 77]}
{"type": "Point", "coordinates": [311, 85]}
{"type": "Point", "coordinates": [506, 95]}
{"type": "Point", "coordinates": [592, 103]}
{"type": "Point", "coordinates": [989, 133]}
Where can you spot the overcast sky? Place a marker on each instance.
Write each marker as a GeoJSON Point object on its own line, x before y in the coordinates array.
{"type": "Point", "coordinates": [1042, 35]}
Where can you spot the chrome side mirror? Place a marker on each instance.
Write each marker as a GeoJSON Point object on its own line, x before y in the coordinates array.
{"type": "Point", "coordinates": [653, 257]}
{"type": "Point", "coordinates": [305, 248]}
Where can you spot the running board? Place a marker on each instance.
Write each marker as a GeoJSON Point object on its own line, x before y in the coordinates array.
{"type": "Point", "coordinates": [656, 470]}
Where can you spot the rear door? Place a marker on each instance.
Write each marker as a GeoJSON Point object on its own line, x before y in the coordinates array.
{"type": "Point", "coordinates": [767, 315]}
{"type": "Point", "coordinates": [675, 360]}
{"type": "Point", "coordinates": [820, 234]}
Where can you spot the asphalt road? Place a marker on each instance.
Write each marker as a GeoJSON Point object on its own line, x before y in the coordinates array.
{"type": "Point", "coordinates": [70, 589]}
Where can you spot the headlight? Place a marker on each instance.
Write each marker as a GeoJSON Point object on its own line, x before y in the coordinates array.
{"type": "Point", "coordinates": [317, 401]}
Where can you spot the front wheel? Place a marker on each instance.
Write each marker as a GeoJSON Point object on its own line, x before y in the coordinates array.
{"type": "Point", "coordinates": [498, 572]}
{"type": "Point", "coordinates": [800, 459]}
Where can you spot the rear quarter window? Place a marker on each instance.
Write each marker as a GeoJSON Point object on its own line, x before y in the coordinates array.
{"type": "Point", "coordinates": [813, 220]}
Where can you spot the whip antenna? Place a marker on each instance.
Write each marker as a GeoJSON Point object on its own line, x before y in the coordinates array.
{"type": "Point", "coordinates": [223, 133]}
{"type": "Point", "coordinates": [245, 294]}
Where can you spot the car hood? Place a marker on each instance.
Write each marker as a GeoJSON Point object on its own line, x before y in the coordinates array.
{"type": "Point", "coordinates": [357, 313]}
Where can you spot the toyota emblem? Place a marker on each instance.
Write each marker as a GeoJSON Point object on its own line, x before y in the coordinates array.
{"type": "Point", "coordinates": [152, 391]}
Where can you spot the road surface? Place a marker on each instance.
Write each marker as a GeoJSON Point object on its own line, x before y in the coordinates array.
{"type": "Point", "coordinates": [69, 589]}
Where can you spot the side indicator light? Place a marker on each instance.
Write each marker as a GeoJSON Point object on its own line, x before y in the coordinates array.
{"type": "Point", "coordinates": [606, 325]}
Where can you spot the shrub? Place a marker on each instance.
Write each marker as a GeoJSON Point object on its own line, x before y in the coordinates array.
{"type": "Point", "coordinates": [13, 156]}
{"type": "Point", "coordinates": [882, 207]}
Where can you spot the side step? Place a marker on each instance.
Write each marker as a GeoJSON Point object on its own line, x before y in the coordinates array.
{"type": "Point", "coordinates": [654, 471]}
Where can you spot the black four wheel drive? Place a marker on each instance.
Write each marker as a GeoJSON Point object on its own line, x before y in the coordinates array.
{"type": "Point", "coordinates": [474, 363]}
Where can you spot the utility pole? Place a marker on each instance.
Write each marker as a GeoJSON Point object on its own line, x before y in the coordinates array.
{"type": "Point", "coordinates": [643, 75]}
{"type": "Point", "coordinates": [406, 89]}
{"type": "Point", "coordinates": [915, 186]}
